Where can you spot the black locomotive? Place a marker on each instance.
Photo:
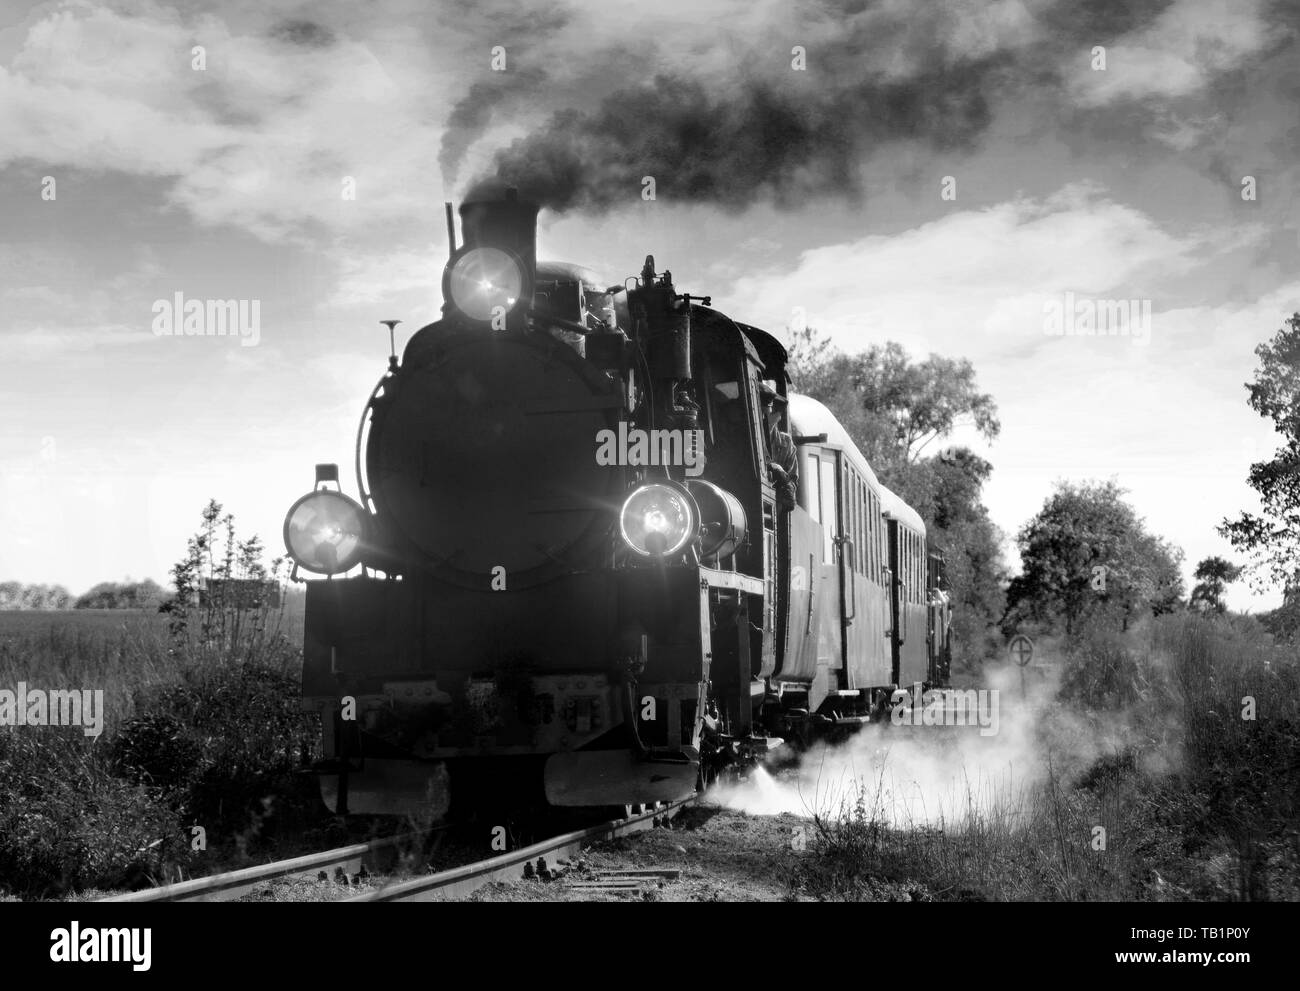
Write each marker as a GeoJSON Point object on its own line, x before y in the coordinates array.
{"type": "Point", "coordinates": [569, 572]}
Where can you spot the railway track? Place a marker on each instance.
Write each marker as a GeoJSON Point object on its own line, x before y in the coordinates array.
{"type": "Point", "coordinates": [453, 883]}
{"type": "Point", "coordinates": [231, 885]}
{"type": "Point", "coordinates": [461, 881]}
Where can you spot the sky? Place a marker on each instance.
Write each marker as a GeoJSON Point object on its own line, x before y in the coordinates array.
{"type": "Point", "coordinates": [941, 175]}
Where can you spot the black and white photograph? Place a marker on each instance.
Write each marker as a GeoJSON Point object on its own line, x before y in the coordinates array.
{"type": "Point", "coordinates": [798, 452]}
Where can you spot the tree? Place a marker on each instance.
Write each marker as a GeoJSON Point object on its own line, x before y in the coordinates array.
{"type": "Point", "coordinates": [16, 596]}
{"type": "Point", "coordinates": [126, 595]}
{"type": "Point", "coordinates": [1284, 622]}
{"type": "Point", "coordinates": [211, 611]}
{"type": "Point", "coordinates": [1088, 552]}
{"type": "Point", "coordinates": [1272, 539]}
{"type": "Point", "coordinates": [911, 404]}
{"type": "Point", "coordinates": [1213, 576]}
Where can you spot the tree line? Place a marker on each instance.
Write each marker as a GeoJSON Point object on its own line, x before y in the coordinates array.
{"type": "Point", "coordinates": [145, 594]}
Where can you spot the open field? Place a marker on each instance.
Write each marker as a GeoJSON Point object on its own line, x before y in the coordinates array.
{"type": "Point", "coordinates": [100, 623]}
{"type": "Point", "coordinates": [119, 651]}
{"type": "Point", "coordinates": [22, 623]}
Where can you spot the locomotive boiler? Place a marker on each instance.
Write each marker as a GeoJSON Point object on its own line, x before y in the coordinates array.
{"type": "Point", "coordinates": [566, 573]}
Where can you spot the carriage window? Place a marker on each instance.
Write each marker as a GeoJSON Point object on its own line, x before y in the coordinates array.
{"type": "Point", "coordinates": [850, 511]}
{"type": "Point", "coordinates": [900, 563]}
{"type": "Point", "coordinates": [905, 564]}
{"type": "Point", "coordinates": [868, 531]}
{"type": "Point", "coordinates": [873, 522]}
{"type": "Point", "coordinates": [908, 546]}
{"type": "Point", "coordinates": [911, 567]}
{"type": "Point", "coordinates": [916, 568]}
{"type": "Point", "coordinates": [864, 544]}
{"type": "Point", "coordinates": [862, 529]}
{"type": "Point", "coordinates": [924, 572]}
{"type": "Point", "coordinates": [865, 550]}
{"type": "Point", "coordinates": [908, 549]}
{"type": "Point", "coordinates": [878, 533]}
{"type": "Point", "coordinates": [828, 509]}
{"type": "Point", "coordinates": [911, 561]}
{"type": "Point", "coordinates": [812, 499]}
{"type": "Point", "coordinates": [918, 581]}
{"type": "Point", "coordinates": [855, 529]}
{"type": "Point", "coordinates": [920, 570]}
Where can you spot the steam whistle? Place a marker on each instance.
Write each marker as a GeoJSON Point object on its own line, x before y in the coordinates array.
{"type": "Point", "coordinates": [664, 319]}
{"type": "Point", "coordinates": [392, 343]}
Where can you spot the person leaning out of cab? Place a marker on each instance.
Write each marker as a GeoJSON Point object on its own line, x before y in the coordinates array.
{"type": "Point", "coordinates": [783, 456]}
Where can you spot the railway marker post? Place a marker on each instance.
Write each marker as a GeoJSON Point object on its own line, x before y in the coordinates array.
{"type": "Point", "coordinates": [1021, 649]}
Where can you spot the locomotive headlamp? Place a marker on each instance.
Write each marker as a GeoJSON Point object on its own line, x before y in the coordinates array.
{"type": "Point", "coordinates": [479, 280]}
{"type": "Point", "coordinates": [325, 532]}
{"type": "Point", "coordinates": [659, 519]}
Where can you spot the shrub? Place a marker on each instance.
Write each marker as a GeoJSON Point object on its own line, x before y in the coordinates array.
{"type": "Point", "coordinates": [219, 743]}
{"type": "Point", "coordinates": [66, 823]}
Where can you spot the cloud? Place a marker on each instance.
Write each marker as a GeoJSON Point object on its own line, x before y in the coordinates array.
{"type": "Point", "coordinates": [53, 306]}
{"type": "Point", "coordinates": [984, 273]}
{"type": "Point", "coordinates": [1189, 45]}
{"type": "Point", "coordinates": [45, 343]}
{"type": "Point", "coordinates": [387, 276]}
{"type": "Point", "coordinates": [262, 137]}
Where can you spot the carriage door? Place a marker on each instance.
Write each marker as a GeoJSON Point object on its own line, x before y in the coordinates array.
{"type": "Point", "coordinates": [829, 600]}
{"type": "Point", "coordinates": [852, 545]}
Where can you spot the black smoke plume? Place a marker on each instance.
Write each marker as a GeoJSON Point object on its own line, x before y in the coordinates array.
{"type": "Point", "coordinates": [774, 134]}
{"type": "Point", "coordinates": [734, 149]}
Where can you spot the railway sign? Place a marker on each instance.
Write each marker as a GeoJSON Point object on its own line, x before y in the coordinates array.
{"type": "Point", "coordinates": [1021, 649]}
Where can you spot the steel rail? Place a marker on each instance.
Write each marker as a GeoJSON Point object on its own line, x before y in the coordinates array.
{"type": "Point", "coordinates": [229, 886]}
{"type": "Point", "coordinates": [461, 881]}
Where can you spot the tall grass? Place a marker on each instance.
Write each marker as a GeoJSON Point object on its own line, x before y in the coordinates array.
{"type": "Point", "coordinates": [1151, 785]}
{"type": "Point", "coordinates": [196, 733]}
{"type": "Point", "coordinates": [202, 732]}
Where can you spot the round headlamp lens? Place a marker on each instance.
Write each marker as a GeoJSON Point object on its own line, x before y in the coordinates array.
{"type": "Point", "coordinates": [482, 279]}
{"type": "Point", "coordinates": [658, 520]}
{"type": "Point", "coordinates": [324, 532]}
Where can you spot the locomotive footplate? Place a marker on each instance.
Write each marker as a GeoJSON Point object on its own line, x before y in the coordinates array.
{"type": "Point", "coordinates": [388, 787]}
{"type": "Point", "coordinates": [617, 777]}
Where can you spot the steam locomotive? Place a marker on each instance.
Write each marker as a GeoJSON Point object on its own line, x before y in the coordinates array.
{"type": "Point", "coordinates": [568, 573]}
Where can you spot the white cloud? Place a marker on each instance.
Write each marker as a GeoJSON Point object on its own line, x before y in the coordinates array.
{"type": "Point", "coordinates": [975, 273]}
{"type": "Point", "coordinates": [1179, 54]}
{"type": "Point", "coordinates": [388, 277]}
{"type": "Point", "coordinates": [44, 343]}
{"type": "Point", "coordinates": [262, 138]}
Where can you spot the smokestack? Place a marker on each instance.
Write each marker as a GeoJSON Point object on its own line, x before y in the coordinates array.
{"type": "Point", "coordinates": [493, 215]}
